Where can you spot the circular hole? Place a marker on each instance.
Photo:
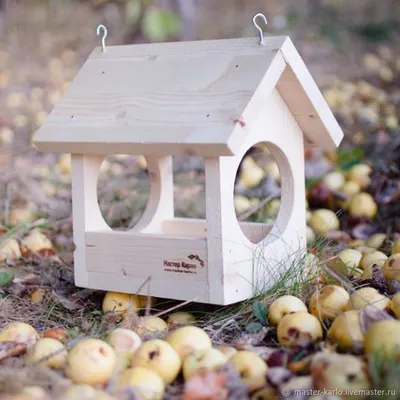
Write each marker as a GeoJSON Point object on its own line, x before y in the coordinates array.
{"type": "Point", "coordinates": [189, 187]}
{"type": "Point", "coordinates": [257, 192]}
{"type": "Point", "coordinates": [123, 189]}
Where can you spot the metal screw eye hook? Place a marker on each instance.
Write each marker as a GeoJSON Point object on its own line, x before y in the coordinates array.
{"type": "Point", "coordinates": [103, 39]}
{"type": "Point", "coordinates": [258, 27]}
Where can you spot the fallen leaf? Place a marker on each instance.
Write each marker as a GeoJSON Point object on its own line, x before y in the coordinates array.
{"type": "Point", "coordinates": [5, 278]}
{"type": "Point", "coordinates": [369, 315]}
{"type": "Point", "coordinates": [363, 231]}
{"type": "Point", "coordinates": [253, 339]}
{"type": "Point", "coordinates": [68, 304]}
{"type": "Point", "coordinates": [11, 349]}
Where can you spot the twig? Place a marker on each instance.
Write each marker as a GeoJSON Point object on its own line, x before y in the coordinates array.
{"type": "Point", "coordinates": [223, 326]}
{"type": "Point", "coordinates": [253, 210]}
{"type": "Point", "coordinates": [175, 307]}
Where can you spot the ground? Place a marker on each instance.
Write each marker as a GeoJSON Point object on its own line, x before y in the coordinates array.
{"type": "Point", "coordinates": [40, 55]}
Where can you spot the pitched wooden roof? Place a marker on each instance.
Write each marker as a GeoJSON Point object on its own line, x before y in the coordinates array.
{"type": "Point", "coordinates": [183, 98]}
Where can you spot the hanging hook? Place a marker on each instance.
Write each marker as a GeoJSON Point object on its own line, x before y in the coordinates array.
{"type": "Point", "coordinates": [103, 39]}
{"type": "Point", "coordinates": [258, 27]}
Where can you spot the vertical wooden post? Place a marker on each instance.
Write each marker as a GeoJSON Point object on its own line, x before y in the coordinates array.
{"type": "Point", "coordinates": [85, 208]}
{"type": "Point", "coordinates": [161, 198]}
{"type": "Point", "coordinates": [220, 216]}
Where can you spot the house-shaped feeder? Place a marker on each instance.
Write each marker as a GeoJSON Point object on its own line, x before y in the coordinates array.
{"type": "Point", "coordinates": [215, 99]}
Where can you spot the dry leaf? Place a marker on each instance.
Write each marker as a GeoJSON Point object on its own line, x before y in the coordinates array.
{"type": "Point", "coordinates": [369, 315]}
{"type": "Point", "coordinates": [68, 304]}
{"type": "Point", "coordinates": [206, 386]}
{"type": "Point", "coordinates": [252, 339]}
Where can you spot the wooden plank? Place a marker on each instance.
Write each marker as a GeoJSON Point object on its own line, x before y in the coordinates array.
{"type": "Point", "coordinates": [187, 49]}
{"type": "Point", "coordinates": [178, 288]}
{"type": "Point", "coordinates": [85, 210]}
{"type": "Point", "coordinates": [142, 255]}
{"type": "Point", "coordinates": [298, 86]}
{"type": "Point", "coordinates": [198, 228]}
{"type": "Point", "coordinates": [169, 106]}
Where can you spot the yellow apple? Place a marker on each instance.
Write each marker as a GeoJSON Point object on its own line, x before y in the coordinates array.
{"type": "Point", "coordinates": [334, 180]}
{"type": "Point", "coordinates": [19, 332]}
{"type": "Point", "coordinates": [298, 328]}
{"type": "Point", "coordinates": [91, 361]}
{"type": "Point", "coordinates": [284, 305]}
{"type": "Point", "coordinates": [350, 257]}
{"type": "Point", "coordinates": [202, 360]}
{"type": "Point", "coordinates": [367, 296]}
{"type": "Point", "coordinates": [251, 367]}
{"type": "Point", "coordinates": [363, 205]}
{"type": "Point", "coordinates": [119, 302]}
{"type": "Point", "coordinates": [360, 174]}
{"type": "Point", "coordinates": [188, 339]}
{"type": "Point", "coordinates": [323, 221]}
{"type": "Point", "coordinates": [396, 247]}
{"type": "Point", "coordinates": [346, 331]}
{"type": "Point", "coordinates": [376, 240]}
{"type": "Point", "coordinates": [395, 305]}
{"type": "Point", "coordinates": [52, 351]}
{"type": "Point", "coordinates": [36, 242]}
{"type": "Point", "coordinates": [145, 381]}
{"type": "Point", "coordinates": [391, 267]}
{"type": "Point", "coordinates": [9, 249]}
{"type": "Point", "coordinates": [383, 338]}
{"type": "Point", "coordinates": [150, 324]}
{"type": "Point", "coordinates": [180, 318]}
{"type": "Point", "coordinates": [124, 342]}
{"type": "Point", "coordinates": [328, 302]}
{"type": "Point", "coordinates": [160, 357]}
{"type": "Point", "coordinates": [374, 257]}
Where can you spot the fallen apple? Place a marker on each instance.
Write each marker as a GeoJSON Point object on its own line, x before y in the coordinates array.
{"type": "Point", "coordinates": [363, 205]}
{"type": "Point", "coordinates": [36, 242]}
{"type": "Point", "coordinates": [48, 352]}
{"type": "Point", "coordinates": [267, 393]}
{"type": "Point", "coordinates": [119, 302]}
{"type": "Point", "coordinates": [159, 356]}
{"type": "Point", "coordinates": [367, 296]}
{"type": "Point", "coordinates": [19, 332]}
{"type": "Point", "coordinates": [396, 247]}
{"type": "Point", "coordinates": [188, 339]}
{"type": "Point", "coordinates": [90, 361]}
{"type": "Point", "coordinates": [346, 331]}
{"type": "Point", "coordinates": [383, 339]}
{"type": "Point", "coordinates": [395, 305]}
{"type": "Point", "coordinates": [284, 305]}
{"type": "Point", "coordinates": [298, 328]}
{"type": "Point", "coordinates": [323, 221]}
{"type": "Point", "coordinates": [334, 180]}
{"type": "Point", "coordinates": [202, 360]}
{"type": "Point", "coordinates": [145, 381]}
{"type": "Point", "coordinates": [328, 302]}
{"type": "Point", "coordinates": [376, 240]}
{"type": "Point", "coordinates": [180, 318]}
{"type": "Point", "coordinates": [251, 368]}
{"type": "Point", "coordinates": [360, 173]}
{"type": "Point", "coordinates": [150, 324]}
{"type": "Point", "coordinates": [341, 372]}
{"type": "Point", "coordinates": [375, 257]}
{"type": "Point", "coordinates": [9, 250]}
{"type": "Point", "coordinates": [391, 267]}
{"type": "Point", "coordinates": [350, 257]}
{"type": "Point", "coordinates": [124, 342]}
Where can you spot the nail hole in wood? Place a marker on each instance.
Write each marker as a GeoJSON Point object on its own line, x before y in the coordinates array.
{"type": "Point", "coordinates": [208, 115]}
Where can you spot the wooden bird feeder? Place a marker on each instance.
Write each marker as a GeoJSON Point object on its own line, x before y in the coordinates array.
{"type": "Point", "coordinates": [215, 99]}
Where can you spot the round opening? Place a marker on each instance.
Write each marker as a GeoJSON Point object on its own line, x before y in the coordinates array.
{"type": "Point", "coordinates": [123, 189]}
{"type": "Point", "coordinates": [189, 187]}
{"type": "Point", "coordinates": [257, 192]}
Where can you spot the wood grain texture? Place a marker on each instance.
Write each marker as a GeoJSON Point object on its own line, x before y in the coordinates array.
{"type": "Point", "coordinates": [183, 98]}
